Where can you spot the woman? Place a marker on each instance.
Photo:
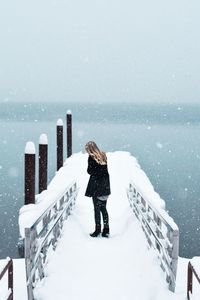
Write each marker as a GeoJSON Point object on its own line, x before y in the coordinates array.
{"type": "Point", "coordinates": [98, 187]}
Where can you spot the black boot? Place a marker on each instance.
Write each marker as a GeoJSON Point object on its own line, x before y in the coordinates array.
{"type": "Point", "coordinates": [97, 231]}
{"type": "Point", "coordinates": [106, 231]}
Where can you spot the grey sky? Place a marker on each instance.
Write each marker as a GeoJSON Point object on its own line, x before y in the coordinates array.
{"type": "Point", "coordinates": [100, 50]}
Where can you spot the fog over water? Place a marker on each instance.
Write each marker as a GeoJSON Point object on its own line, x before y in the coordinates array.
{"type": "Point", "coordinates": [99, 50]}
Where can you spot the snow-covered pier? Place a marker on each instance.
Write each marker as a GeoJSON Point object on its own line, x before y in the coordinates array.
{"type": "Point", "coordinates": [138, 261]}
{"type": "Point", "coordinates": [121, 267]}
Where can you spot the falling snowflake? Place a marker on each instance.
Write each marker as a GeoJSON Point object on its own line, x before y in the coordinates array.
{"type": "Point", "coordinates": [159, 145]}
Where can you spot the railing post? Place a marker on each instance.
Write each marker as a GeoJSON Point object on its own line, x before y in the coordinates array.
{"type": "Point", "coordinates": [69, 133]}
{"type": "Point", "coordinates": [43, 162]}
{"type": "Point", "coordinates": [59, 144]}
{"type": "Point", "coordinates": [189, 281]}
{"type": "Point", "coordinates": [10, 277]}
{"type": "Point", "coordinates": [28, 263]}
{"type": "Point", "coordinates": [174, 263]}
{"type": "Point", "coordinates": [29, 173]}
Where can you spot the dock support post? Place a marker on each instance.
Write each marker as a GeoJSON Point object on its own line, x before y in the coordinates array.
{"type": "Point", "coordinates": [59, 144]}
{"type": "Point", "coordinates": [29, 173]}
{"type": "Point", "coordinates": [69, 133]}
{"type": "Point", "coordinates": [43, 162]}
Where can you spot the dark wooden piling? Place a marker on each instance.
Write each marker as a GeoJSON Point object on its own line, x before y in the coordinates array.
{"type": "Point", "coordinates": [69, 133]}
{"type": "Point", "coordinates": [43, 162]}
{"type": "Point", "coordinates": [29, 177]}
{"type": "Point", "coordinates": [59, 144]}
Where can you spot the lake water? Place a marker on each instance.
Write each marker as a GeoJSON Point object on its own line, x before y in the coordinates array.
{"type": "Point", "coordinates": [164, 139]}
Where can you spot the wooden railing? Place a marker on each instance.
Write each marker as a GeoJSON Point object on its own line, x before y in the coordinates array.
{"type": "Point", "coordinates": [161, 232]}
{"type": "Point", "coordinates": [191, 271]}
{"type": "Point", "coordinates": [8, 269]}
{"type": "Point", "coordinates": [43, 235]}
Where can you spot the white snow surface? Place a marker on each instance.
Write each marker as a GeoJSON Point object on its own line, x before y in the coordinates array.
{"type": "Point", "coordinates": [43, 140]}
{"type": "Point", "coordinates": [20, 290]}
{"type": "Point", "coordinates": [30, 148]}
{"type": "Point", "coordinates": [120, 267]}
{"type": "Point", "coordinates": [60, 122]}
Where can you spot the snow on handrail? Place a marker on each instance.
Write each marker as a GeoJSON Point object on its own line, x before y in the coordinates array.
{"type": "Point", "coordinates": [160, 230]}
{"type": "Point", "coordinates": [8, 268]}
{"type": "Point", "coordinates": [42, 236]}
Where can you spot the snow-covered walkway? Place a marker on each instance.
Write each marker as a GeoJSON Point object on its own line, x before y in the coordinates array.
{"type": "Point", "coordinates": [118, 268]}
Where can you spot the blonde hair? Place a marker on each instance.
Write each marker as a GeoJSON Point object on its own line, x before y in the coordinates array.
{"type": "Point", "coordinates": [99, 156]}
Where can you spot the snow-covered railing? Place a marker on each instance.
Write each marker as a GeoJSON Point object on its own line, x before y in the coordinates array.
{"type": "Point", "coordinates": [43, 236]}
{"type": "Point", "coordinates": [160, 230]}
{"type": "Point", "coordinates": [8, 269]}
{"type": "Point", "coordinates": [191, 271]}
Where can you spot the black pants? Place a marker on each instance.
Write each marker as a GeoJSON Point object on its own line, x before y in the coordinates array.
{"type": "Point", "coordinates": [100, 208]}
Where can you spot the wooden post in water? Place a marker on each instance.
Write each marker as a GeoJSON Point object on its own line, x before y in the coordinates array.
{"type": "Point", "coordinates": [43, 162]}
{"type": "Point", "coordinates": [29, 177]}
{"type": "Point", "coordinates": [59, 143]}
{"type": "Point", "coordinates": [69, 133]}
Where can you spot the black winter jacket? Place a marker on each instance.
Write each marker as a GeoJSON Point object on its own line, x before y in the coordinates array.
{"type": "Point", "coordinates": [99, 182]}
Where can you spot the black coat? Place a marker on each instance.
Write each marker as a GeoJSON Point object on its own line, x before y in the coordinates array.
{"type": "Point", "coordinates": [99, 182]}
